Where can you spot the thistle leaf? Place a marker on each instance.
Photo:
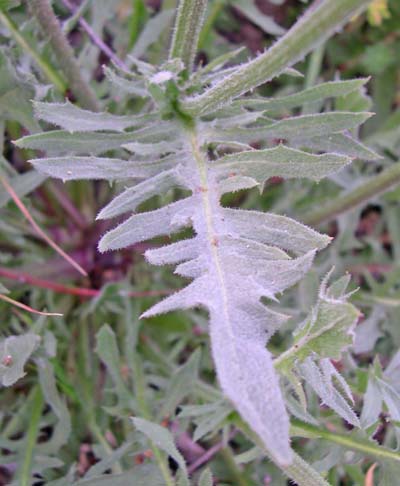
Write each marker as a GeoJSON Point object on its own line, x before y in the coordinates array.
{"type": "Point", "coordinates": [332, 89]}
{"type": "Point", "coordinates": [60, 141]}
{"type": "Point", "coordinates": [325, 333]}
{"type": "Point", "coordinates": [339, 143]}
{"type": "Point", "coordinates": [279, 162]}
{"type": "Point", "coordinates": [320, 378]}
{"type": "Point", "coordinates": [72, 168]}
{"type": "Point", "coordinates": [74, 119]}
{"type": "Point", "coordinates": [238, 260]}
{"type": "Point", "coordinates": [305, 126]}
{"type": "Point", "coordinates": [133, 196]}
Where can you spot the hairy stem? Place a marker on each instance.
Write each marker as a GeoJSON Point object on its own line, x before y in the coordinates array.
{"type": "Point", "coordinates": [310, 31]}
{"type": "Point", "coordinates": [48, 70]}
{"type": "Point", "coordinates": [365, 446]}
{"type": "Point", "coordinates": [216, 8]}
{"type": "Point", "coordinates": [233, 359]}
{"type": "Point", "coordinates": [188, 23]}
{"type": "Point", "coordinates": [298, 428]}
{"type": "Point", "coordinates": [234, 470]}
{"type": "Point", "coordinates": [298, 471]}
{"type": "Point", "coordinates": [386, 180]}
{"type": "Point", "coordinates": [95, 38]}
{"type": "Point", "coordinates": [84, 292]}
{"type": "Point", "coordinates": [47, 20]}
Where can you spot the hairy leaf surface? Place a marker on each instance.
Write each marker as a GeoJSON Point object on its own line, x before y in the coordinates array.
{"type": "Point", "coordinates": [239, 261]}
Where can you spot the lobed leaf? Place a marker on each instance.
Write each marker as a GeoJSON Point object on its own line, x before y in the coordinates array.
{"type": "Point", "coordinates": [325, 333]}
{"type": "Point", "coordinates": [305, 126]}
{"type": "Point", "coordinates": [320, 378]}
{"type": "Point", "coordinates": [74, 119]}
{"type": "Point", "coordinates": [60, 141]}
{"type": "Point", "coordinates": [72, 168]}
{"type": "Point", "coordinates": [133, 196]}
{"type": "Point", "coordinates": [129, 86]}
{"type": "Point", "coordinates": [320, 92]}
{"type": "Point", "coordinates": [279, 162]}
{"type": "Point", "coordinates": [340, 143]}
{"type": "Point", "coordinates": [145, 226]}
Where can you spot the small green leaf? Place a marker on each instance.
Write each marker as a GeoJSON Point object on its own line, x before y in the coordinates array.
{"type": "Point", "coordinates": [62, 430]}
{"type": "Point", "coordinates": [162, 438]}
{"type": "Point", "coordinates": [14, 353]}
{"type": "Point", "coordinates": [206, 478]}
{"type": "Point", "coordinates": [181, 384]}
{"type": "Point", "coordinates": [22, 185]}
{"type": "Point", "coordinates": [107, 349]}
{"type": "Point", "coordinates": [267, 24]}
{"type": "Point", "coordinates": [326, 332]}
{"type": "Point", "coordinates": [3, 290]}
{"type": "Point", "coordinates": [138, 476]}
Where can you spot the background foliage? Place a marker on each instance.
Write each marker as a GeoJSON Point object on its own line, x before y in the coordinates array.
{"type": "Point", "coordinates": [79, 378]}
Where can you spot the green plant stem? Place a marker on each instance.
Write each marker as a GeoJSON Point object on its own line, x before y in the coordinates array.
{"type": "Point", "coordinates": [365, 446]}
{"type": "Point", "coordinates": [298, 428]}
{"type": "Point", "coordinates": [31, 437]}
{"type": "Point", "coordinates": [48, 70]}
{"type": "Point", "coordinates": [136, 21]}
{"type": "Point", "coordinates": [233, 468]}
{"type": "Point", "coordinates": [299, 471]}
{"type": "Point", "coordinates": [309, 32]}
{"type": "Point", "coordinates": [314, 66]}
{"type": "Point", "coordinates": [216, 8]}
{"type": "Point", "coordinates": [188, 23]}
{"type": "Point", "coordinates": [145, 413]}
{"type": "Point", "coordinates": [379, 184]}
{"type": "Point", "coordinates": [47, 20]}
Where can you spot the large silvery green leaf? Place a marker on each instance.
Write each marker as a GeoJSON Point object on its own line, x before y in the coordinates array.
{"type": "Point", "coordinates": [238, 261]}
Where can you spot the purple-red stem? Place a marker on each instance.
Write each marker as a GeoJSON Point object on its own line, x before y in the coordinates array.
{"type": "Point", "coordinates": [95, 38]}
{"type": "Point", "coordinates": [65, 289]}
